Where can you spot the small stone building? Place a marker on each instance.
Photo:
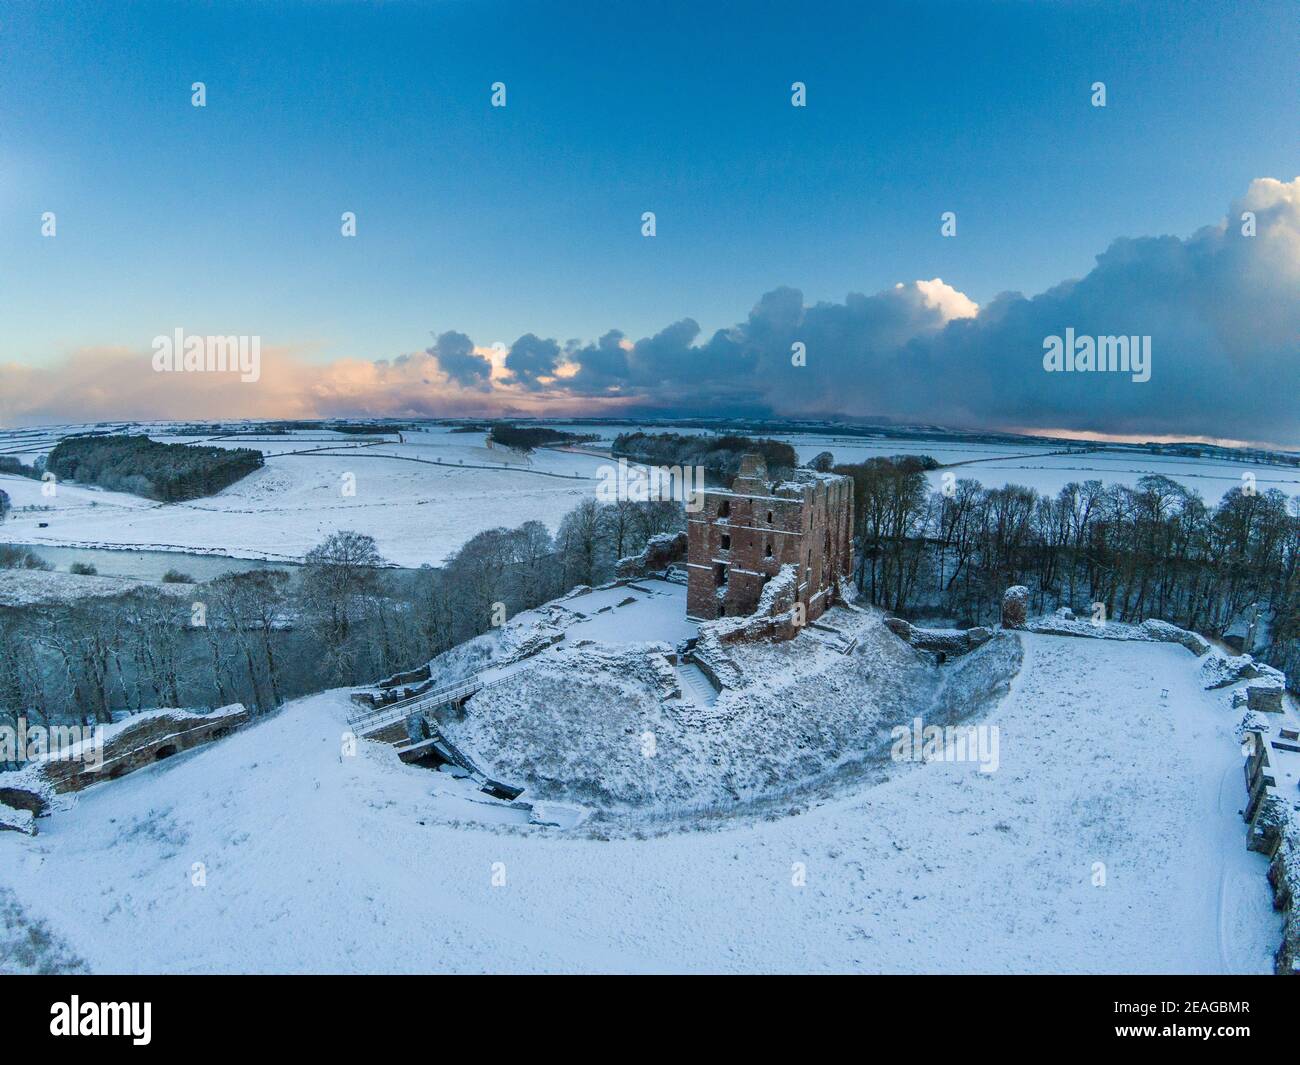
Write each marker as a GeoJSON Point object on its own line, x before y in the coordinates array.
{"type": "Point", "coordinates": [741, 538]}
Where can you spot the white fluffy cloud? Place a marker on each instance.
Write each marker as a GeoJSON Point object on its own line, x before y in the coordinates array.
{"type": "Point", "coordinates": [946, 300]}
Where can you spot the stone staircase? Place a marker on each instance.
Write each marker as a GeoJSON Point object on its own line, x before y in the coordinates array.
{"type": "Point", "coordinates": [696, 687]}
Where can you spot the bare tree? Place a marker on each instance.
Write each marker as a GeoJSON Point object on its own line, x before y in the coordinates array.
{"type": "Point", "coordinates": [579, 542]}
{"type": "Point", "coordinates": [339, 576]}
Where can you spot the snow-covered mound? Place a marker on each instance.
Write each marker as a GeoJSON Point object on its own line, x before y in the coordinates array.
{"type": "Point", "coordinates": [598, 724]}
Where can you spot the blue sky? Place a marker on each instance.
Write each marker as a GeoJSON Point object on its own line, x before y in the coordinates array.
{"type": "Point", "coordinates": [499, 222]}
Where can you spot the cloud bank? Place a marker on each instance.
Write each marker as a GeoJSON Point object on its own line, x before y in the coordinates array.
{"type": "Point", "coordinates": [1222, 308]}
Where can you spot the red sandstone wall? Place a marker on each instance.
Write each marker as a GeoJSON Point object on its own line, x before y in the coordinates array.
{"type": "Point", "coordinates": [812, 531]}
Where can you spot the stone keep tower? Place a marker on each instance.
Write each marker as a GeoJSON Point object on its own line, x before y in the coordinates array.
{"type": "Point", "coordinates": [743, 536]}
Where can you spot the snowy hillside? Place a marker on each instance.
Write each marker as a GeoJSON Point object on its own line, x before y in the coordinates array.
{"type": "Point", "coordinates": [313, 861]}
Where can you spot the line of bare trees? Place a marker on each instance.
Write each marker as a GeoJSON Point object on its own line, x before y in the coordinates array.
{"type": "Point", "coordinates": [1155, 549]}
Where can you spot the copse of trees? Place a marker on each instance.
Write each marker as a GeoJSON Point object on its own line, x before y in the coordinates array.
{"type": "Point", "coordinates": [144, 467]}
{"type": "Point", "coordinates": [525, 438]}
{"type": "Point", "coordinates": [371, 428]}
{"type": "Point", "coordinates": [11, 465]}
{"type": "Point", "coordinates": [15, 556]}
{"type": "Point", "coordinates": [5, 505]}
{"type": "Point", "coordinates": [717, 454]}
{"type": "Point", "coordinates": [340, 577]}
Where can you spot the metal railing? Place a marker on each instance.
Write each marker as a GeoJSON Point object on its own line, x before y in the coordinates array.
{"type": "Point", "coordinates": [390, 713]}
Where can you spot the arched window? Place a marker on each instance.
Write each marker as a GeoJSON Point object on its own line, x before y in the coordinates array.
{"type": "Point", "coordinates": [724, 509]}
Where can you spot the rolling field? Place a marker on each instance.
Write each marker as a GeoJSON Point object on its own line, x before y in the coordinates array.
{"type": "Point", "coordinates": [423, 496]}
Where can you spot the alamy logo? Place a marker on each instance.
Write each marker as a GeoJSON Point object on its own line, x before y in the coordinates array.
{"type": "Point", "coordinates": [58, 743]}
{"type": "Point", "coordinates": [197, 354]}
{"type": "Point", "coordinates": [1071, 354]}
{"type": "Point", "coordinates": [103, 1018]}
{"type": "Point", "coordinates": [949, 743]}
{"type": "Point", "coordinates": [643, 484]}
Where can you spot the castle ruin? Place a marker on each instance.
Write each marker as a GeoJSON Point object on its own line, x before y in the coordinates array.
{"type": "Point", "coordinates": [742, 536]}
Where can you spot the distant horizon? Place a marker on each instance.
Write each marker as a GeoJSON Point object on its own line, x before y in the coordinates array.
{"type": "Point", "coordinates": [828, 423]}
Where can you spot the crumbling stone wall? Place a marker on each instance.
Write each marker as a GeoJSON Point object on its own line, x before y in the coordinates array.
{"type": "Point", "coordinates": [1167, 633]}
{"type": "Point", "coordinates": [945, 642]}
{"type": "Point", "coordinates": [1218, 671]}
{"type": "Point", "coordinates": [774, 618]}
{"type": "Point", "coordinates": [1274, 830]}
{"type": "Point", "coordinates": [129, 745]}
{"type": "Point", "coordinates": [1284, 876]}
{"type": "Point", "coordinates": [659, 553]}
{"type": "Point", "coordinates": [1279, 838]}
{"type": "Point", "coordinates": [1065, 623]}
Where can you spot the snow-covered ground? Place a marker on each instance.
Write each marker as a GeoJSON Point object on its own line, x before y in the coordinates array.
{"type": "Point", "coordinates": [422, 497]}
{"type": "Point", "coordinates": [572, 728]}
{"type": "Point", "coordinates": [31, 588]}
{"type": "Point", "coordinates": [312, 861]}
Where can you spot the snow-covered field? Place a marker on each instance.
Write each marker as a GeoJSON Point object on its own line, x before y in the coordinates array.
{"type": "Point", "coordinates": [420, 500]}
{"type": "Point", "coordinates": [423, 497]}
{"type": "Point", "coordinates": [1025, 461]}
{"type": "Point", "coordinates": [33, 588]}
{"type": "Point", "coordinates": [1212, 478]}
{"type": "Point", "coordinates": [312, 861]}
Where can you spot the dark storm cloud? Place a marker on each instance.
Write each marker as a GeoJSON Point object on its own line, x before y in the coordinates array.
{"type": "Point", "coordinates": [531, 358]}
{"type": "Point", "coordinates": [455, 354]}
{"type": "Point", "coordinates": [1222, 309]}
{"type": "Point", "coordinates": [603, 366]}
